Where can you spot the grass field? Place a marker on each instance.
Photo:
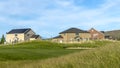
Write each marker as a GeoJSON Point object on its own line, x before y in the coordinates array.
{"type": "Point", "coordinates": [36, 50]}
{"type": "Point", "coordinates": [44, 54]}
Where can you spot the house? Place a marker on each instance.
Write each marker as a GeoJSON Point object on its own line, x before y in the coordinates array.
{"type": "Point", "coordinates": [96, 35]}
{"type": "Point", "coordinates": [58, 39]}
{"type": "Point", "coordinates": [35, 37]}
{"type": "Point", "coordinates": [21, 35]}
{"type": "Point", "coordinates": [112, 35]}
{"type": "Point", "coordinates": [72, 35]}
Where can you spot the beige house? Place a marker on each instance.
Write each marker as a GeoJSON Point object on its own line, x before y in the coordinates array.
{"type": "Point", "coordinates": [72, 35]}
{"type": "Point", "coordinates": [21, 35]}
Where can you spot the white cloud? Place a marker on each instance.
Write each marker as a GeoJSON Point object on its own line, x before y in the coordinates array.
{"type": "Point", "coordinates": [57, 14]}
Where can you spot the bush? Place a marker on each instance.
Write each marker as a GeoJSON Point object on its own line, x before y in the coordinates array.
{"type": "Point", "coordinates": [2, 40]}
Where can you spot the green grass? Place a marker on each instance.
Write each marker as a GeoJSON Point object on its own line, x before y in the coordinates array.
{"type": "Point", "coordinates": [42, 54]}
{"type": "Point", "coordinates": [31, 54]}
{"type": "Point", "coordinates": [36, 50]}
{"type": "Point", "coordinates": [92, 44]}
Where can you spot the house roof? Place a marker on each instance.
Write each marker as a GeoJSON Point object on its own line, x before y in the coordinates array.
{"type": "Point", "coordinates": [35, 36]}
{"type": "Point", "coordinates": [74, 30]}
{"type": "Point", "coordinates": [115, 34]}
{"type": "Point", "coordinates": [101, 32]}
{"type": "Point", "coordinates": [58, 37]}
{"type": "Point", "coordinates": [19, 31]}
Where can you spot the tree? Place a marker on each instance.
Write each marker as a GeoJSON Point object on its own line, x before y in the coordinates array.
{"type": "Point", "coordinates": [2, 39]}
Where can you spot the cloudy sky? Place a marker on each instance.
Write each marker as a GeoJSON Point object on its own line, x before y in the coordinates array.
{"type": "Point", "coordinates": [49, 17]}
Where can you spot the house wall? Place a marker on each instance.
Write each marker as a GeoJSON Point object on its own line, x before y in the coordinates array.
{"type": "Point", "coordinates": [70, 37]}
{"type": "Point", "coordinates": [28, 35]}
{"type": "Point", "coordinates": [96, 34]}
{"type": "Point", "coordinates": [59, 40]}
{"type": "Point", "coordinates": [31, 39]}
{"type": "Point", "coordinates": [85, 35]}
{"type": "Point", "coordinates": [10, 38]}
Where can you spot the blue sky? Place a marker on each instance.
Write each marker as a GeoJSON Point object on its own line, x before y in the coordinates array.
{"type": "Point", "coordinates": [49, 17]}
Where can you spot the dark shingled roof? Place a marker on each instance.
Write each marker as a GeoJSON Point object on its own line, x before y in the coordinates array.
{"type": "Point", "coordinates": [74, 30]}
{"type": "Point", "coordinates": [19, 31]}
{"type": "Point", "coordinates": [58, 37]}
{"type": "Point", "coordinates": [35, 36]}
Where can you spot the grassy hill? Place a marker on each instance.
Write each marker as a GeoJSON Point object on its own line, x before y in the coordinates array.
{"type": "Point", "coordinates": [35, 50]}
{"type": "Point", "coordinates": [43, 54]}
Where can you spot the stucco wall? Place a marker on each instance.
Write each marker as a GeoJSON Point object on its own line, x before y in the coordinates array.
{"type": "Point", "coordinates": [59, 40]}
{"type": "Point", "coordinates": [85, 35]}
{"type": "Point", "coordinates": [11, 37]}
{"type": "Point", "coordinates": [70, 37]}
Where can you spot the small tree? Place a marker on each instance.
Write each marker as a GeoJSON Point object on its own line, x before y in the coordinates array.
{"type": "Point", "coordinates": [2, 39]}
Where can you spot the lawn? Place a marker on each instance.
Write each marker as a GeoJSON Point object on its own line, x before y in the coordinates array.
{"type": "Point", "coordinates": [42, 54]}
{"type": "Point", "coordinates": [36, 50]}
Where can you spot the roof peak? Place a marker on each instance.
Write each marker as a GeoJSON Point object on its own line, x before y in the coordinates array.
{"type": "Point", "coordinates": [74, 30]}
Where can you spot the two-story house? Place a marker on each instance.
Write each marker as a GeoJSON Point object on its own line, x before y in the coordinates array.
{"type": "Point", "coordinates": [21, 35]}
{"type": "Point", "coordinates": [72, 35]}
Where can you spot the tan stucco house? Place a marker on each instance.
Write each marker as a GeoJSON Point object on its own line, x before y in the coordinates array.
{"type": "Point", "coordinates": [21, 35]}
{"type": "Point", "coordinates": [72, 35]}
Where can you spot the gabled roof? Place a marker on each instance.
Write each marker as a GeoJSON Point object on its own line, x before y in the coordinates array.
{"type": "Point", "coordinates": [101, 32]}
{"type": "Point", "coordinates": [35, 36]}
{"type": "Point", "coordinates": [74, 30]}
{"type": "Point", "coordinates": [92, 29]}
{"type": "Point", "coordinates": [13, 31]}
{"type": "Point", "coordinates": [57, 37]}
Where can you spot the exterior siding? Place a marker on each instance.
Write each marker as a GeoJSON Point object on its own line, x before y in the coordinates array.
{"type": "Point", "coordinates": [96, 34]}
{"type": "Point", "coordinates": [70, 37]}
{"type": "Point", "coordinates": [32, 39]}
{"type": "Point", "coordinates": [28, 35]}
{"type": "Point", "coordinates": [20, 37]}
{"type": "Point", "coordinates": [59, 40]}
{"type": "Point", "coordinates": [85, 35]}
{"type": "Point", "coordinates": [10, 38]}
